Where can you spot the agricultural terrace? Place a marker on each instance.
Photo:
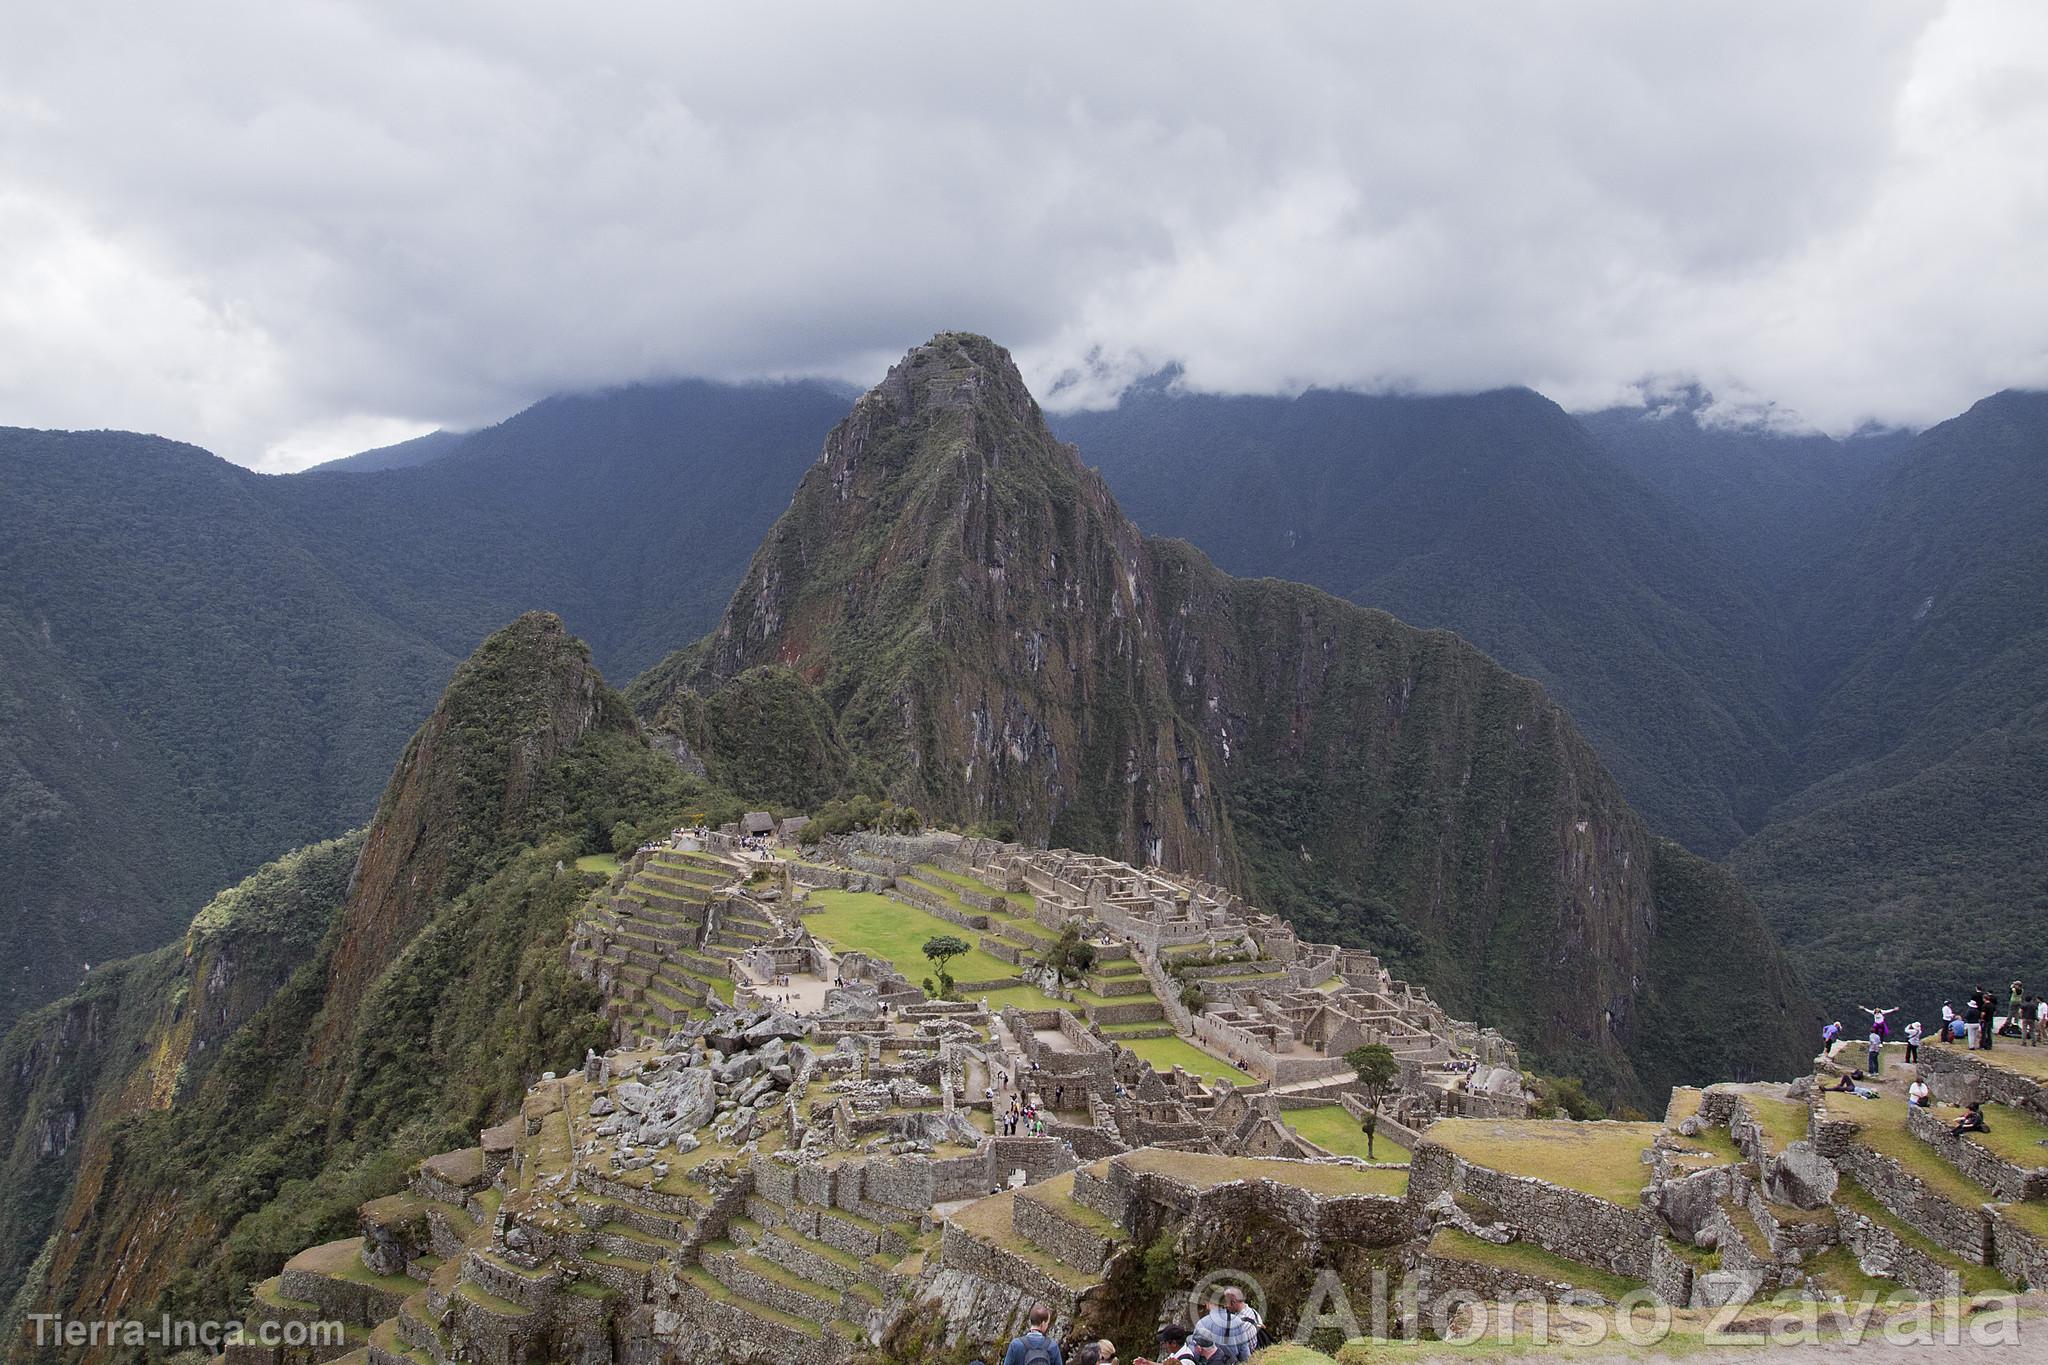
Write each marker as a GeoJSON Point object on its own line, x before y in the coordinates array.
{"type": "Point", "coordinates": [1604, 1160]}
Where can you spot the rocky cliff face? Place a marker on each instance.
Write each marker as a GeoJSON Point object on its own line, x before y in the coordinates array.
{"type": "Point", "coordinates": [146, 1031]}
{"type": "Point", "coordinates": [998, 642]}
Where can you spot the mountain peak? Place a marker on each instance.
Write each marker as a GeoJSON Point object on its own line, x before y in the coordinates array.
{"type": "Point", "coordinates": [956, 378]}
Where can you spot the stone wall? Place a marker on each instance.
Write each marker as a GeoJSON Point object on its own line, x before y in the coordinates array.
{"type": "Point", "coordinates": [1573, 1224]}
{"type": "Point", "coordinates": [1979, 1163]}
{"type": "Point", "coordinates": [1965, 1231]}
{"type": "Point", "coordinates": [2021, 1256]}
{"type": "Point", "coordinates": [1958, 1076]}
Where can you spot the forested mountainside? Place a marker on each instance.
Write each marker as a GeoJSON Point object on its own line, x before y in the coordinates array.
{"type": "Point", "coordinates": [206, 667]}
{"type": "Point", "coordinates": [997, 643]}
{"type": "Point", "coordinates": [361, 1004]}
{"type": "Point", "coordinates": [1881, 770]}
{"type": "Point", "coordinates": [1780, 502]}
{"type": "Point", "coordinates": [189, 693]}
{"type": "Point", "coordinates": [1912, 860]}
{"type": "Point", "coordinates": [1497, 516]}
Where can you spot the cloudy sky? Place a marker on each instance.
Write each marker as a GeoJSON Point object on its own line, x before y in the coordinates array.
{"type": "Point", "coordinates": [290, 231]}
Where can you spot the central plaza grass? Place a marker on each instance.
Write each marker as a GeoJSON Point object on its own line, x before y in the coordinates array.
{"type": "Point", "coordinates": [1601, 1159]}
{"type": "Point", "coordinates": [896, 933]}
{"type": "Point", "coordinates": [605, 863]}
{"type": "Point", "coordinates": [1163, 1054]}
{"type": "Point", "coordinates": [1331, 1127]}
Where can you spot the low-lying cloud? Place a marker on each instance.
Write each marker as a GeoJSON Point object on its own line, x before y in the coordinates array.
{"type": "Point", "coordinates": [285, 232]}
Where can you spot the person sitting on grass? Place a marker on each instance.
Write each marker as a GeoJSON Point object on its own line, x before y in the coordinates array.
{"type": "Point", "coordinates": [1972, 1120]}
{"type": "Point", "coordinates": [1918, 1095]}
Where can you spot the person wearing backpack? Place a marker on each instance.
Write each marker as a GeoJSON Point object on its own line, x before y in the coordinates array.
{"type": "Point", "coordinates": [1036, 1346]}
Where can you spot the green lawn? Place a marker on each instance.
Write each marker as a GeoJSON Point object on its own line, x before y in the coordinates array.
{"type": "Point", "coordinates": [1333, 1129]}
{"type": "Point", "coordinates": [1163, 1054]}
{"type": "Point", "coordinates": [1024, 998]}
{"type": "Point", "coordinates": [1783, 1121]}
{"type": "Point", "coordinates": [2013, 1136]}
{"type": "Point", "coordinates": [1600, 1159]}
{"type": "Point", "coordinates": [896, 933]}
{"type": "Point", "coordinates": [605, 863]}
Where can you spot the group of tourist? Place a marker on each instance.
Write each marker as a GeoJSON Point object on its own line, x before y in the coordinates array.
{"type": "Point", "coordinates": [1227, 1332]}
{"type": "Point", "coordinates": [2026, 1018]}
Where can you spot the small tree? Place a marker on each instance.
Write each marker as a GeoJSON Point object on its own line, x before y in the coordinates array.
{"type": "Point", "coordinates": [1072, 955]}
{"type": "Point", "coordinates": [942, 949]}
{"type": "Point", "coordinates": [1377, 1071]}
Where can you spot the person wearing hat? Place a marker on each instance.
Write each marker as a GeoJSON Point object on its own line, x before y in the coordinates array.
{"type": "Point", "coordinates": [1172, 1345]}
{"type": "Point", "coordinates": [1948, 1021]}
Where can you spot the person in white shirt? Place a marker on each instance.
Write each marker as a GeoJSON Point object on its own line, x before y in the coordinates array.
{"type": "Point", "coordinates": [1948, 1022]}
{"type": "Point", "coordinates": [1917, 1094]}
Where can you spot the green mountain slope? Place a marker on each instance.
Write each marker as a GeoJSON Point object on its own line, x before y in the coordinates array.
{"type": "Point", "coordinates": [203, 667]}
{"type": "Point", "coordinates": [402, 987]}
{"type": "Point", "coordinates": [998, 642]}
{"type": "Point", "coordinates": [1912, 861]}
{"type": "Point", "coordinates": [185, 694]}
{"type": "Point", "coordinates": [1495, 515]}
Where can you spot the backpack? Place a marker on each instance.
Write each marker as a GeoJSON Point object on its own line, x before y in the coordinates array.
{"type": "Point", "coordinates": [1037, 1352]}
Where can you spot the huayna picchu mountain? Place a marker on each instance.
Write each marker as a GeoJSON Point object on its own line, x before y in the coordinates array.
{"type": "Point", "coordinates": [997, 644]}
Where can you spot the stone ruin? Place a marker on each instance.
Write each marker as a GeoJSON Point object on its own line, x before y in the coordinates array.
{"type": "Point", "coordinates": [734, 1181]}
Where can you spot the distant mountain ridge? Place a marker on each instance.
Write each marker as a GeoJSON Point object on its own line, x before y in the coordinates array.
{"type": "Point", "coordinates": [212, 666]}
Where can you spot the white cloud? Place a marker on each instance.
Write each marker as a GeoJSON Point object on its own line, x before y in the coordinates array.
{"type": "Point", "coordinates": [270, 229]}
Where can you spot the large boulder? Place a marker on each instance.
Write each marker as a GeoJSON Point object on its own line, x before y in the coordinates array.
{"type": "Point", "coordinates": [1801, 1176]}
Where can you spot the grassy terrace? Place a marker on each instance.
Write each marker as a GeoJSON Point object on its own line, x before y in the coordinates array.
{"type": "Point", "coordinates": [990, 1220]}
{"type": "Point", "coordinates": [1884, 1131]}
{"type": "Point", "coordinates": [1202, 1171]}
{"type": "Point", "coordinates": [1600, 1159]}
{"type": "Point", "coordinates": [1976, 1279]}
{"type": "Point", "coordinates": [1524, 1258]}
{"type": "Point", "coordinates": [605, 863]}
{"type": "Point", "coordinates": [896, 933]}
{"type": "Point", "coordinates": [2014, 1136]}
{"type": "Point", "coordinates": [933, 873]}
{"type": "Point", "coordinates": [1333, 1129]}
{"type": "Point", "coordinates": [1783, 1121]}
{"type": "Point", "coordinates": [1024, 998]}
{"type": "Point", "coordinates": [1163, 1054]}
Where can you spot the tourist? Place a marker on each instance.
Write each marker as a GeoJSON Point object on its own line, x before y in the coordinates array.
{"type": "Point", "coordinates": [1847, 1085]}
{"type": "Point", "coordinates": [1913, 1041]}
{"type": "Point", "coordinates": [1917, 1094]}
{"type": "Point", "coordinates": [2041, 1020]}
{"type": "Point", "coordinates": [1233, 1326]}
{"type": "Point", "coordinates": [1878, 1025]}
{"type": "Point", "coordinates": [1036, 1346]}
{"type": "Point", "coordinates": [1828, 1034]}
{"type": "Point", "coordinates": [2014, 1005]}
{"type": "Point", "coordinates": [1876, 1052]}
{"type": "Point", "coordinates": [1948, 1022]}
{"type": "Point", "coordinates": [1987, 1006]}
{"type": "Point", "coordinates": [1973, 1005]}
{"type": "Point", "coordinates": [1972, 1120]}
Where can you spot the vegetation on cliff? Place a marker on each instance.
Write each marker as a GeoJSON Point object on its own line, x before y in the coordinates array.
{"type": "Point", "coordinates": [432, 993]}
